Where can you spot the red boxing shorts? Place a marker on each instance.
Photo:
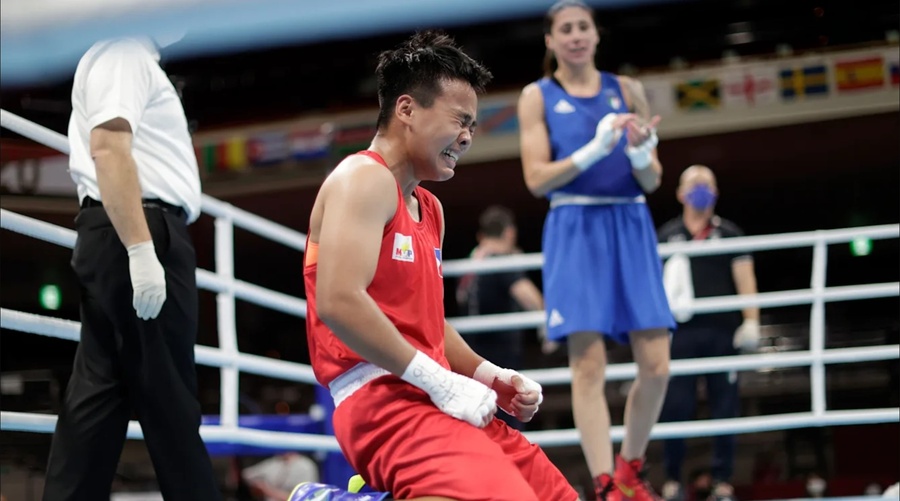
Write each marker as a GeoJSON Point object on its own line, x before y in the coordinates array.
{"type": "Point", "coordinates": [394, 436]}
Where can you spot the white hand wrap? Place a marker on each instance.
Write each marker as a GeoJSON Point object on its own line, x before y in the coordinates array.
{"type": "Point", "coordinates": [454, 394]}
{"type": "Point", "coordinates": [487, 372]}
{"type": "Point", "coordinates": [605, 139]}
{"type": "Point", "coordinates": [641, 156]}
{"type": "Point", "coordinates": [148, 280]}
{"type": "Point", "coordinates": [746, 337]}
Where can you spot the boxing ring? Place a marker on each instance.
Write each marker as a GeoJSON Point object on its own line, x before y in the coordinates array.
{"type": "Point", "coordinates": [232, 362]}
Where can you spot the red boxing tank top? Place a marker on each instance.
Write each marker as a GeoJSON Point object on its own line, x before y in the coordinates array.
{"type": "Point", "coordinates": [407, 286]}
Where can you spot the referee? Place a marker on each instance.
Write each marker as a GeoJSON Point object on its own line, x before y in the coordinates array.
{"type": "Point", "coordinates": [133, 162]}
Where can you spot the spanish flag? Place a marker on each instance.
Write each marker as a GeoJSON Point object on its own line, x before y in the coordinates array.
{"type": "Point", "coordinates": [859, 74]}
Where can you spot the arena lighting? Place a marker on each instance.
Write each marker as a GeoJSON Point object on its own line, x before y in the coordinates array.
{"type": "Point", "coordinates": [42, 40]}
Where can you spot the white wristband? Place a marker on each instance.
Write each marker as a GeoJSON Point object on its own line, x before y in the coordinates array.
{"type": "Point", "coordinates": [486, 373]}
{"type": "Point", "coordinates": [605, 139]}
{"type": "Point", "coordinates": [426, 374]}
{"type": "Point", "coordinates": [454, 394]}
{"type": "Point", "coordinates": [641, 156]}
{"type": "Point", "coordinates": [587, 155]}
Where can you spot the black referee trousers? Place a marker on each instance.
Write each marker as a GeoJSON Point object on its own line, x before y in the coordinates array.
{"type": "Point", "coordinates": [125, 366]}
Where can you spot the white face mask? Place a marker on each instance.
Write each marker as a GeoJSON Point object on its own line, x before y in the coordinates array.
{"type": "Point", "coordinates": [815, 487]}
{"type": "Point", "coordinates": [163, 40]}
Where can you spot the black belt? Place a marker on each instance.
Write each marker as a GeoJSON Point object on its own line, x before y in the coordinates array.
{"type": "Point", "coordinates": [148, 203]}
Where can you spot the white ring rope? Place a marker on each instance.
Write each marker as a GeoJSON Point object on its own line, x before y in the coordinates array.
{"type": "Point", "coordinates": [231, 361]}
{"type": "Point", "coordinates": [532, 319]}
{"type": "Point", "coordinates": [205, 355]}
{"type": "Point", "coordinates": [36, 228]}
{"type": "Point", "coordinates": [216, 208]}
{"type": "Point", "coordinates": [35, 132]}
{"type": "Point", "coordinates": [43, 423]}
{"type": "Point", "coordinates": [486, 323]}
{"type": "Point", "coordinates": [205, 279]}
{"type": "Point", "coordinates": [714, 427]}
{"type": "Point", "coordinates": [253, 223]}
{"type": "Point", "coordinates": [534, 261]}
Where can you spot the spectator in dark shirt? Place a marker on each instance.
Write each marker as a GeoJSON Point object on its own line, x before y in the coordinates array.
{"type": "Point", "coordinates": [708, 334]}
{"type": "Point", "coordinates": [493, 293]}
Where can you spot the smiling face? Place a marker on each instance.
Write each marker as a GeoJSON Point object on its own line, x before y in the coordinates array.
{"type": "Point", "coordinates": [573, 36]}
{"type": "Point", "coordinates": [437, 136]}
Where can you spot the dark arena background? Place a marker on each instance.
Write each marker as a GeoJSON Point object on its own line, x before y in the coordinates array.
{"type": "Point", "coordinates": [795, 106]}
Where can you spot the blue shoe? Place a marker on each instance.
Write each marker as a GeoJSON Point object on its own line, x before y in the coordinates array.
{"type": "Point", "coordinates": [311, 491]}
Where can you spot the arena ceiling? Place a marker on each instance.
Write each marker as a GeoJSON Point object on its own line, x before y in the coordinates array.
{"type": "Point", "coordinates": [232, 86]}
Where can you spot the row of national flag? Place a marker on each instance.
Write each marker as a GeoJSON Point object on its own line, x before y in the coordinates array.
{"type": "Point", "coordinates": [767, 84]}
{"type": "Point", "coordinates": [242, 151]}
{"type": "Point", "coordinates": [755, 85]}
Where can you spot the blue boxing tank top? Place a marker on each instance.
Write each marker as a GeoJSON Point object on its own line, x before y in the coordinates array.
{"type": "Point", "coordinates": [572, 122]}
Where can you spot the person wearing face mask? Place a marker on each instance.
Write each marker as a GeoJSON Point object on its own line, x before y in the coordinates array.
{"type": "Point", "coordinates": [588, 143]}
{"type": "Point", "coordinates": [708, 334]}
{"type": "Point", "coordinates": [133, 162]}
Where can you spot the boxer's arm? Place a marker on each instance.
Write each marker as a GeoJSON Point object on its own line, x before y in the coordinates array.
{"type": "Point", "coordinates": [542, 175]}
{"type": "Point", "coordinates": [359, 200]}
{"type": "Point", "coordinates": [463, 360]}
{"type": "Point", "coordinates": [649, 175]}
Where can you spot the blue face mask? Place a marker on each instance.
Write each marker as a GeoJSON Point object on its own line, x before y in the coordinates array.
{"type": "Point", "coordinates": [701, 197]}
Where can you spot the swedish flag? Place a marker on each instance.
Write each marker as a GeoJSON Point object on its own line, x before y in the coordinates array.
{"type": "Point", "coordinates": [698, 94]}
{"type": "Point", "coordinates": [805, 81]}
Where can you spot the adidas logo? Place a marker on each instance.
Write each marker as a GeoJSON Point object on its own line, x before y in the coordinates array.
{"type": "Point", "coordinates": [563, 107]}
{"type": "Point", "coordinates": [555, 319]}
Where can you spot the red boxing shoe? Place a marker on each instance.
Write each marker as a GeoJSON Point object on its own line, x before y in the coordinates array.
{"type": "Point", "coordinates": [629, 483]}
{"type": "Point", "coordinates": [603, 485]}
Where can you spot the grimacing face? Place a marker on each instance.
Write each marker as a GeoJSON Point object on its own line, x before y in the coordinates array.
{"type": "Point", "coordinates": [441, 133]}
{"type": "Point", "coordinates": [573, 37]}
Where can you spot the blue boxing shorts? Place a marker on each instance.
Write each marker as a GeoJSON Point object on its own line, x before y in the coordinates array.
{"type": "Point", "coordinates": [602, 272]}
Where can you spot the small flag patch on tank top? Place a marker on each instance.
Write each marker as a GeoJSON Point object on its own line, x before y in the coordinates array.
{"type": "Point", "coordinates": [437, 257]}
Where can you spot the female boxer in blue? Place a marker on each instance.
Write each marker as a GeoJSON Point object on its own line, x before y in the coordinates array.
{"type": "Point", "coordinates": [588, 143]}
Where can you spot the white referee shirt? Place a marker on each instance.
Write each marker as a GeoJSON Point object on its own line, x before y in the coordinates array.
{"type": "Point", "coordinates": [122, 79]}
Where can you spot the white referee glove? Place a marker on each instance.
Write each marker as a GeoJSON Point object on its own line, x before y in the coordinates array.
{"type": "Point", "coordinates": [746, 337]}
{"type": "Point", "coordinates": [454, 394]}
{"type": "Point", "coordinates": [517, 395]}
{"type": "Point", "coordinates": [148, 280]}
{"type": "Point", "coordinates": [605, 139]}
{"type": "Point", "coordinates": [641, 156]}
